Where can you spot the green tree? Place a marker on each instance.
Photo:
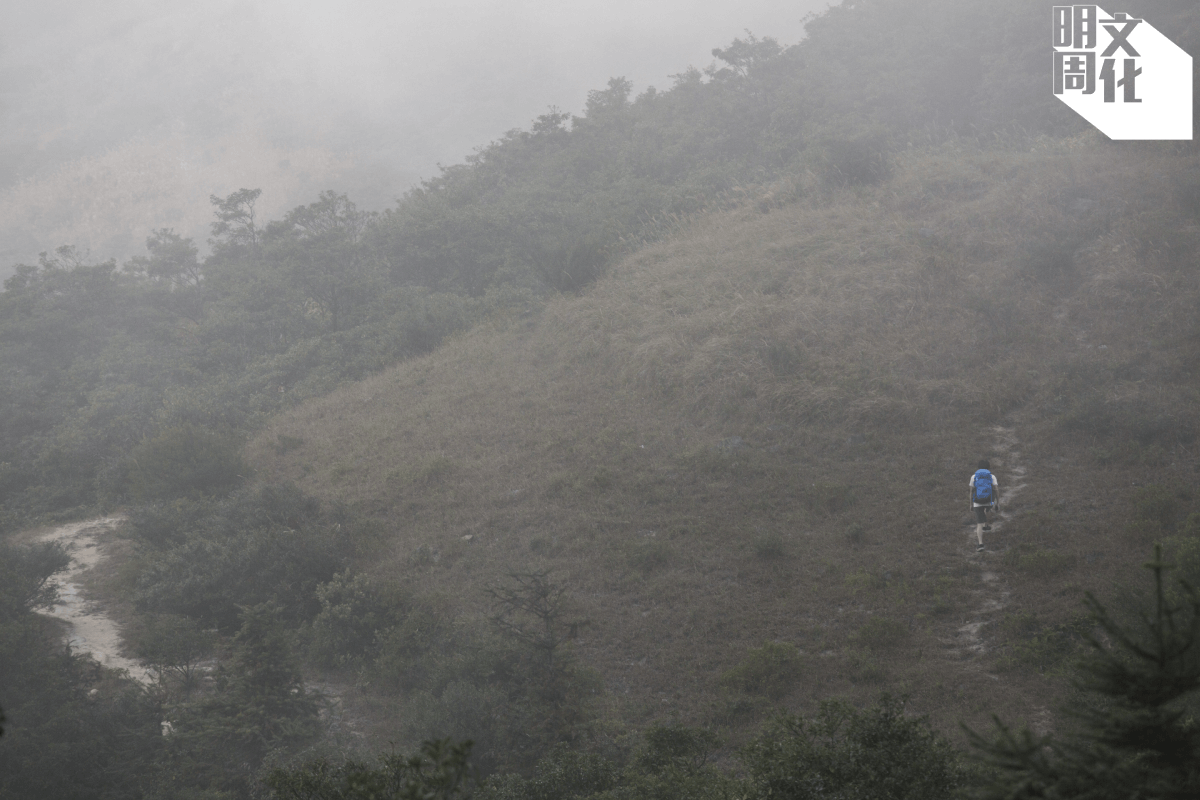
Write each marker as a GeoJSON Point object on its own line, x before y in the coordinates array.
{"type": "Point", "coordinates": [172, 260]}
{"type": "Point", "coordinates": [321, 247]}
{"type": "Point", "coordinates": [25, 574]}
{"type": "Point", "coordinates": [551, 693]}
{"type": "Point", "coordinates": [236, 227]}
{"type": "Point", "coordinates": [1136, 734]}
{"type": "Point", "coordinates": [173, 646]}
{"type": "Point", "coordinates": [259, 707]}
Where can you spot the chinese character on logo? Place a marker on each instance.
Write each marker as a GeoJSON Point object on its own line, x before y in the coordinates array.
{"type": "Point", "coordinates": [1146, 80]}
{"type": "Point", "coordinates": [1075, 69]}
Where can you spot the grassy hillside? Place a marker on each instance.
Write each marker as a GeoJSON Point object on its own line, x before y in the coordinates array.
{"type": "Point", "coordinates": [761, 430]}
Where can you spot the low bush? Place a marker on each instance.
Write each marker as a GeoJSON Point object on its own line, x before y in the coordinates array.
{"type": "Point", "coordinates": [1037, 562]}
{"type": "Point", "coordinates": [268, 544]}
{"type": "Point", "coordinates": [439, 771]}
{"type": "Point", "coordinates": [464, 711]}
{"type": "Point", "coordinates": [844, 752]}
{"type": "Point", "coordinates": [881, 633]}
{"type": "Point", "coordinates": [771, 670]}
{"type": "Point", "coordinates": [1045, 647]}
{"type": "Point", "coordinates": [25, 574]}
{"type": "Point", "coordinates": [186, 460]}
{"type": "Point", "coordinates": [355, 612]}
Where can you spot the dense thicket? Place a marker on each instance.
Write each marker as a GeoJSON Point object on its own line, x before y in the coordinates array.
{"type": "Point", "coordinates": [72, 731]}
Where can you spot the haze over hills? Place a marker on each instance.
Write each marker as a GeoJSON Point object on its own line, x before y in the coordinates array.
{"type": "Point", "coordinates": [148, 108]}
{"type": "Point", "coordinates": [633, 448]}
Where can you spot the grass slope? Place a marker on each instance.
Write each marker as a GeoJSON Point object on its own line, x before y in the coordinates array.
{"type": "Point", "coordinates": [762, 429]}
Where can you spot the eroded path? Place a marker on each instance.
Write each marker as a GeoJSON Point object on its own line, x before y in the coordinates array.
{"type": "Point", "coordinates": [88, 628]}
{"type": "Point", "coordinates": [991, 596]}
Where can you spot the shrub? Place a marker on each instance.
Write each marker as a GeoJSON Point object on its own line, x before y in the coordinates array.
{"type": "Point", "coordinates": [268, 544]}
{"type": "Point", "coordinates": [186, 460]}
{"type": "Point", "coordinates": [354, 611]}
{"type": "Point", "coordinates": [843, 752]}
{"type": "Point", "coordinates": [1038, 562]}
{"type": "Point", "coordinates": [862, 160]}
{"type": "Point", "coordinates": [465, 712]}
{"type": "Point", "coordinates": [881, 633]}
{"type": "Point", "coordinates": [439, 772]}
{"type": "Point", "coordinates": [1047, 648]}
{"type": "Point", "coordinates": [771, 670]}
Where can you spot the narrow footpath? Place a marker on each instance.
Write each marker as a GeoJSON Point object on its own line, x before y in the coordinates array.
{"type": "Point", "coordinates": [992, 594]}
{"type": "Point", "coordinates": [88, 628]}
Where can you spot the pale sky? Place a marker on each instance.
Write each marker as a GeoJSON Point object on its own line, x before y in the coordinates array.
{"type": "Point", "coordinates": [396, 88]}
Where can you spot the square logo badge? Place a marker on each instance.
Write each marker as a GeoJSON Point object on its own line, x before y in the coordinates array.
{"type": "Point", "coordinates": [1120, 74]}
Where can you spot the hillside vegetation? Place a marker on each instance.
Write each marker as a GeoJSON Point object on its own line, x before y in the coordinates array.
{"type": "Point", "coordinates": [630, 430]}
{"type": "Point", "coordinates": [761, 429]}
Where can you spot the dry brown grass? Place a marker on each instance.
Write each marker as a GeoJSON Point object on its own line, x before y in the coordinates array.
{"type": "Point", "coordinates": [761, 430]}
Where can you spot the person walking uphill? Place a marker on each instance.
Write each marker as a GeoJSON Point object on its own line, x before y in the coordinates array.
{"type": "Point", "coordinates": [985, 494]}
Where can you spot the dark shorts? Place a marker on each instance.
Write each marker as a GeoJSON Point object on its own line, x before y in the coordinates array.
{"type": "Point", "coordinates": [981, 514]}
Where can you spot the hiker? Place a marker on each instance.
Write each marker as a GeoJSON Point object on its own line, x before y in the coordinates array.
{"type": "Point", "coordinates": [985, 494]}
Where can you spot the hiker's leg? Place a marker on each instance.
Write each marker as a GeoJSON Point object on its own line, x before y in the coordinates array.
{"type": "Point", "coordinates": [980, 521]}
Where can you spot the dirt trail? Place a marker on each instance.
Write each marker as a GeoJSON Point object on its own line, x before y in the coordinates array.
{"type": "Point", "coordinates": [89, 629]}
{"type": "Point", "coordinates": [992, 594]}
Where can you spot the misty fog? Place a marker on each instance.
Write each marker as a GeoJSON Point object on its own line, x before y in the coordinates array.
{"type": "Point", "coordinates": [124, 117]}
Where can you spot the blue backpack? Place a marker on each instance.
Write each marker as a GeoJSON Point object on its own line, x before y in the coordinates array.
{"type": "Point", "coordinates": [983, 487]}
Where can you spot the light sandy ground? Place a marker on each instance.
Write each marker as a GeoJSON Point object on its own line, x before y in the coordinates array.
{"type": "Point", "coordinates": [993, 597]}
{"type": "Point", "coordinates": [89, 629]}
{"type": "Point", "coordinates": [969, 644]}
